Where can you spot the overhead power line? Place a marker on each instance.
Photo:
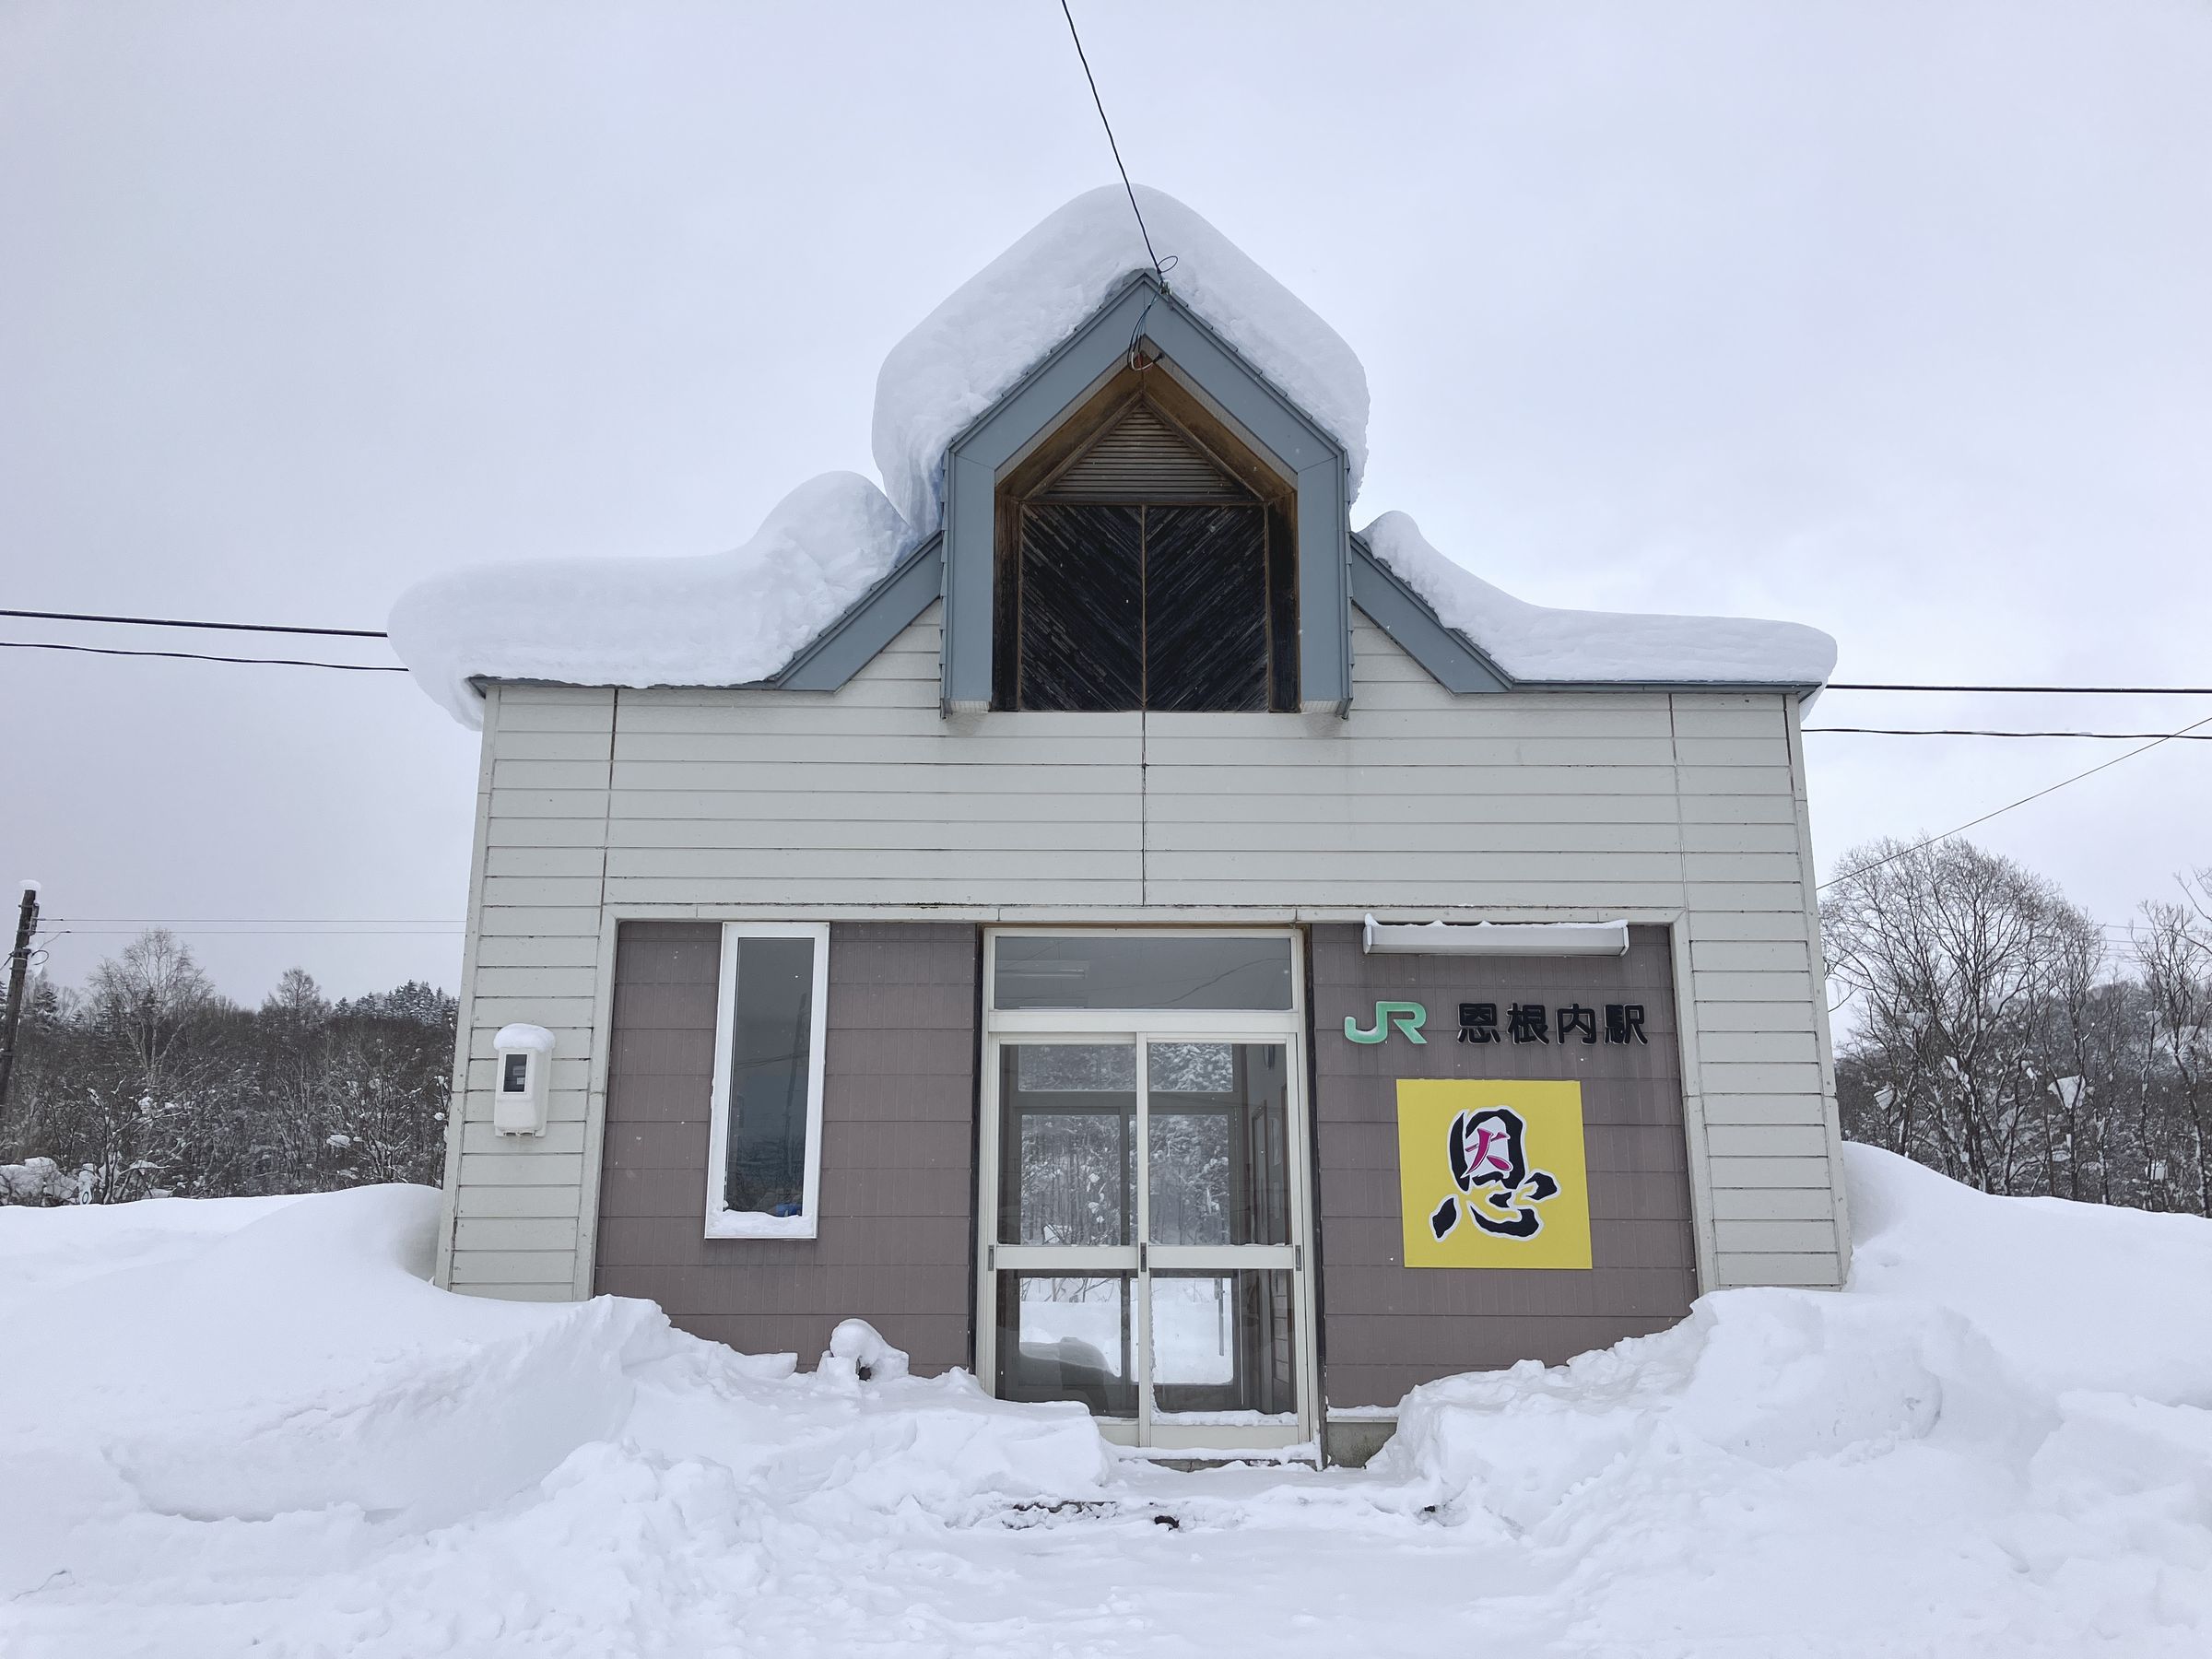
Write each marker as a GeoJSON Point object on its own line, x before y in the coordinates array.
{"type": "Point", "coordinates": [2010, 806]}
{"type": "Point", "coordinates": [1978, 732]}
{"type": "Point", "coordinates": [256, 933]}
{"type": "Point", "coordinates": [2032, 691]}
{"type": "Point", "coordinates": [378, 633]}
{"type": "Point", "coordinates": [346, 633]}
{"type": "Point", "coordinates": [259, 920]}
{"type": "Point", "coordinates": [201, 657]}
{"type": "Point", "coordinates": [255, 926]}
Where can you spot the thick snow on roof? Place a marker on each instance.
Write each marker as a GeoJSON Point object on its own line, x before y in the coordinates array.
{"type": "Point", "coordinates": [1536, 642]}
{"type": "Point", "coordinates": [736, 617]}
{"type": "Point", "coordinates": [1007, 318]}
{"type": "Point", "coordinates": [724, 619]}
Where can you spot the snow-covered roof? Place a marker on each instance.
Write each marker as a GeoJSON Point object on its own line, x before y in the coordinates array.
{"type": "Point", "coordinates": [1536, 644]}
{"type": "Point", "coordinates": [1008, 317]}
{"type": "Point", "coordinates": [738, 617]}
{"type": "Point", "coordinates": [724, 619]}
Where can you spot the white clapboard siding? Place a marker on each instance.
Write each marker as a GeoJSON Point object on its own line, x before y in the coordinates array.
{"type": "Point", "coordinates": [535, 949]}
{"type": "Point", "coordinates": [1579, 803]}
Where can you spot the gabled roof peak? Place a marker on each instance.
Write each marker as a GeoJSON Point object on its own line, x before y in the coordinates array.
{"type": "Point", "coordinates": [996, 328]}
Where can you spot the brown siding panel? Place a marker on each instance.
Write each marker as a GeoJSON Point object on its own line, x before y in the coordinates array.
{"type": "Point", "coordinates": [1386, 1328]}
{"type": "Point", "coordinates": [898, 1111]}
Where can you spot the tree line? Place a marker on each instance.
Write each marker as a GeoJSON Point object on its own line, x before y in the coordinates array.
{"type": "Point", "coordinates": [148, 1081]}
{"type": "Point", "coordinates": [1992, 1029]}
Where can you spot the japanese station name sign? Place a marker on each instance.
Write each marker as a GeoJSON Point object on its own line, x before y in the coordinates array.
{"type": "Point", "coordinates": [1492, 1172]}
{"type": "Point", "coordinates": [1524, 1022]}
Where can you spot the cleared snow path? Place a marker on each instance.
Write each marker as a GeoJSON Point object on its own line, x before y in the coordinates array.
{"type": "Point", "coordinates": [242, 1425]}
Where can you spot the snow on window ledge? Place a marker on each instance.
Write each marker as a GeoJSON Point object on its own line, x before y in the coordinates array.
{"type": "Point", "coordinates": [757, 1224]}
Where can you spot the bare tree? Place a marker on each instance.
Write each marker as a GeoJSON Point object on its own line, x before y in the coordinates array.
{"type": "Point", "coordinates": [1960, 967]}
{"type": "Point", "coordinates": [2173, 950]}
{"type": "Point", "coordinates": [150, 1082]}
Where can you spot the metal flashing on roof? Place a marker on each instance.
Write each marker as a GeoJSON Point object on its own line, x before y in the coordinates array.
{"type": "Point", "coordinates": [1451, 661]}
{"type": "Point", "coordinates": [878, 618]}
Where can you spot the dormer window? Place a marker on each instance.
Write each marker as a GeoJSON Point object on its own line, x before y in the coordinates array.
{"type": "Point", "coordinates": [1146, 559]}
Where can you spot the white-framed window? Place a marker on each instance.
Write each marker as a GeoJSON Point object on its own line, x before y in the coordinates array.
{"type": "Point", "coordinates": [764, 1161]}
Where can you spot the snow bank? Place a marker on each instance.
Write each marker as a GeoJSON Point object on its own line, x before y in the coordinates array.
{"type": "Point", "coordinates": [724, 620]}
{"type": "Point", "coordinates": [297, 1363]}
{"type": "Point", "coordinates": [2072, 1296]}
{"type": "Point", "coordinates": [1995, 1439]}
{"type": "Point", "coordinates": [1009, 316]}
{"type": "Point", "coordinates": [283, 1365]}
{"type": "Point", "coordinates": [1773, 1378]}
{"type": "Point", "coordinates": [250, 1425]}
{"type": "Point", "coordinates": [1536, 642]}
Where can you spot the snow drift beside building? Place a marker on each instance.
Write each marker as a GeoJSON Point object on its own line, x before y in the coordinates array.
{"type": "Point", "coordinates": [242, 1421]}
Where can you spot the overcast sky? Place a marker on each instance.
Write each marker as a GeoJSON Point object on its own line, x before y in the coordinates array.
{"type": "Point", "coordinates": [1895, 319]}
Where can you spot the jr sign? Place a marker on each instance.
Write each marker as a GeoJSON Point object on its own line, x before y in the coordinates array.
{"type": "Point", "coordinates": [1408, 1017]}
{"type": "Point", "coordinates": [1491, 1173]}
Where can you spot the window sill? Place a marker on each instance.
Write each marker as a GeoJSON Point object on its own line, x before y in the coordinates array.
{"type": "Point", "coordinates": [752, 1224]}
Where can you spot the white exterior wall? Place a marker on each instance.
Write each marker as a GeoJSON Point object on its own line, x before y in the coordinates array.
{"type": "Point", "coordinates": [1685, 808]}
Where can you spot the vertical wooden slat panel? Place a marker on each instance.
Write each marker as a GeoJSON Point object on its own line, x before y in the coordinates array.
{"type": "Point", "coordinates": [1206, 608]}
{"type": "Point", "coordinates": [1082, 608]}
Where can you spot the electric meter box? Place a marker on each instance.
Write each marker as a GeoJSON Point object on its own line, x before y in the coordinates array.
{"type": "Point", "coordinates": [525, 1063]}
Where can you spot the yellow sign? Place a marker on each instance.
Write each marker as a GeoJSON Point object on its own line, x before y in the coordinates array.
{"type": "Point", "coordinates": [1491, 1175]}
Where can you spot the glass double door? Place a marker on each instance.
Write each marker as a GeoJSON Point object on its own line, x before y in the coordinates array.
{"type": "Point", "coordinates": [1146, 1253]}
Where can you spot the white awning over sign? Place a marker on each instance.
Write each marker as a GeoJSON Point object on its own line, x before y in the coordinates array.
{"type": "Point", "coordinates": [1495, 939]}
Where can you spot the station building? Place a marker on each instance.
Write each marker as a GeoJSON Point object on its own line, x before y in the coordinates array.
{"type": "Point", "coordinates": [1149, 945]}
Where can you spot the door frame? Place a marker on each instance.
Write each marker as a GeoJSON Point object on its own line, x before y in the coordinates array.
{"type": "Point", "coordinates": [1284, 1028]}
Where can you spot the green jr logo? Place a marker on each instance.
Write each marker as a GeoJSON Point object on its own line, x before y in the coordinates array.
{"type": "Point", "coordinates": [1409, 1017]}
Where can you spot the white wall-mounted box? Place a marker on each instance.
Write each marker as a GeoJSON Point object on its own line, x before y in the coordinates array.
{"type": "Point", "coordinates": [525, 1068]}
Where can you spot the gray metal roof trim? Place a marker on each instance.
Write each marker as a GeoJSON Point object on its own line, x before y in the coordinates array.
{"type": "Point", "coordinates": [1452, 660]}
{"type": "Point", "coordinates": [883, 607]}
{"type": "Point", "coordinates": [1136, 280]}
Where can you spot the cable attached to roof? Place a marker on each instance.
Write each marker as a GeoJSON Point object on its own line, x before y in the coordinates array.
{"type": "Point", "coordinates": [1160, 267]}
{"type": "Point", "coordinates": [1084, 58]}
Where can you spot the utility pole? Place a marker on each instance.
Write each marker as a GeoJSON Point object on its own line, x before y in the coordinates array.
{"type": "Point", "coordinates": [19, 981]}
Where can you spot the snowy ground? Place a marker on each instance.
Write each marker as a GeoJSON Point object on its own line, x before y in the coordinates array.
{"type": "Point", "coordinates": [250, 1425]}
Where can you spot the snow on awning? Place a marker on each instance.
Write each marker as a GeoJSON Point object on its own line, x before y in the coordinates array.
{"type": "Point", "coordinates": [1495, 938]}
